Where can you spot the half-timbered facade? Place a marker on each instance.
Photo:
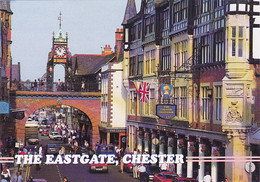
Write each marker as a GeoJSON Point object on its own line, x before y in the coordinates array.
{"type": "Point", "coordinates": [203, 50]}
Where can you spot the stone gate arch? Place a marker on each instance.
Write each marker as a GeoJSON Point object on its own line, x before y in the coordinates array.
{"type": "Point", "coordinates": [89, 105]}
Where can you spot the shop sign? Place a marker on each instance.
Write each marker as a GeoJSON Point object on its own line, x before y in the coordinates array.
{"type": "Point", "coordinates": [4, 107]}
{"type": "Point", "coordinates": [234, 90]}
{"type": "Point", "coordinates": [166, 111]}
{"type": "Point", "coordinates": [116, 130]}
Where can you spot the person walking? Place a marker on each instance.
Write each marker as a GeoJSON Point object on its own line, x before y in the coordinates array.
{"type": "Point", "coordinates": [75, 146]}
{"type": "Point", "coordinates": [164, 166]}
{"type": "Point", "coordinates": [35, 85]}
{"type": "Point", "coordinates": [127, 150]}
{"type": "Point", "coordinates": [17, 178]}
{"type": "Point", "coordinates": [207, 178]}
{"type": "Point", "coordinates": [142, 170]}
{"type": "Point", "coordinates": [6, 174]}
{"type": "Point", "coordinates": [82, 86]}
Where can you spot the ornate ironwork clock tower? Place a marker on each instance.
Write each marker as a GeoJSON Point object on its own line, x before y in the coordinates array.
{"type": "Point", "coordinates": [59, 54]}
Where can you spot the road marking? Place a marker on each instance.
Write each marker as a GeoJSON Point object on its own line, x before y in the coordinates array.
{"type": "Point", "coordinates": [59, 173]}
{"type": "Point", "coordinates": [27, 173]}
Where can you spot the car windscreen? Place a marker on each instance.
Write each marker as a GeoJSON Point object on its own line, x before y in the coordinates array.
{"type": "Point", "coordinates": [52, 146]}
{"type": "Point", "coordinates": [169, 176]}
{"type": "Point", "coordinates": [108, 149]}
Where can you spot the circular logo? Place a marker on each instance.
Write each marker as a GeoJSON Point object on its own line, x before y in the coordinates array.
{"type": "Point", "coordinates": [155, 141]}
{"type": "Point", "coordinates": [123, 139]}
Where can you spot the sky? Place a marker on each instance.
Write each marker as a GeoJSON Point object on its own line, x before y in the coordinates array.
{"type": "Point", "coordinates": [91, 24]}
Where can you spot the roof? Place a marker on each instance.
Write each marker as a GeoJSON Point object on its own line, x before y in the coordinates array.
{"type": "Point", "coordinates": [87, 64]}
{"type": "Point", "coordinates": [130, 11]}
{"type": "Point", "coordinates": [5, 5]}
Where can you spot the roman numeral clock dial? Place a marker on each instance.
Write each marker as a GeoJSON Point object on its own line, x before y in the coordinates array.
{"type": "Point", "coordinates": [60, 51]}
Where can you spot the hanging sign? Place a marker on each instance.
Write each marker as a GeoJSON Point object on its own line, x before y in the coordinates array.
{"type": "Point", "coordinates": [4, 107]}
{"type": "Point", "coordinates": [166, 111]}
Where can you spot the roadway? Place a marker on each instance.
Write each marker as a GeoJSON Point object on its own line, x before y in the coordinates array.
{"type": "Point", "coordinates": [74, 173]}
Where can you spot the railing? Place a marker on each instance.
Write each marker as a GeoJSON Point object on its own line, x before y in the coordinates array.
{"type": "Point", "coordinates": [42, 87]}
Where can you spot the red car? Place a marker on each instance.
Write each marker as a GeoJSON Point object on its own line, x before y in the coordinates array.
{"type": "Point", "coordinates": [98, 167]}
{"type": "Point", "coordinates": [186, 180]}
{"type": "Point", "coordinates": [165, 177]}
{"type": "Point", "coordinates": [45, 132]}
{"type": "Point", "coordinates": [171, 177]}
{"type": "Point", "coordinates": [128, 167]}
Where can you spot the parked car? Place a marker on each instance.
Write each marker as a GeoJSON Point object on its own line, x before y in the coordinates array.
{"type": "Point", "coordinates": [52, 149]}
{"type": "Point", "coordinates": [106, 149]}
{"type": "Point", "coordinates": [128, 167]}
{"type": "Point", "coordinates": [98, 168]}
{"type": "Point", "coordinates": [85, 151]}
{"type": "Point", "coordinates": [33, 140]}
{"type": "Point", "coordinates": [165, 177]}
{"type": "Point", "coordinates": [179, 179]}
{"type": "Point", "coordinates": [151, 170]}
{"type": "Point", "coordinates": [55, 136]}
{"type": "Point", "coordinates": [45, 132]}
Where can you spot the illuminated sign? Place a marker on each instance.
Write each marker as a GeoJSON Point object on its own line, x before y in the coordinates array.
{"type": "Point", "coordinates": [166, 111]}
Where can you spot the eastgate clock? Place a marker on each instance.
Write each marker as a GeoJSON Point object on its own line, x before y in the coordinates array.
{"type": "Point", "coordinates": [60, 51]}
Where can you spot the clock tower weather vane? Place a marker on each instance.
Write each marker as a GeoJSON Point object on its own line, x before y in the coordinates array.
{"type": "Point", "coordinates": [59, 18]}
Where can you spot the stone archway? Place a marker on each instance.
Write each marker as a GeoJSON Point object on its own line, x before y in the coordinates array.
{"type": "Point", "coordinates": [90, 106]}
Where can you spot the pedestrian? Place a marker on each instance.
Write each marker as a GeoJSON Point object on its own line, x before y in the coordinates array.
{"type": "Point", "coordinates": [82, 86]}
{"type": "Point", "coordinates": [35, 85]}
{"type": "Point", "coordinates": [75, 146]}
{"type": "Point", "coordinates": [40, 150]}
{"type": "Point", "coordinates": [31, 179]}
{"type": "Point", "coordinates": [127, 150]}
{"type": "Point", "coordinates": [62, 87]}
{"type": "Point", "coordinates": [122, 165]}
{"type": "Point", "coordinates": [86, 143]}
{"type": "Point", "coordinates": [3, 180]}
{"type": "Point", "coordinates": [171, 167]}
{"type": "Point", "coordinates": [58, 85]}
{"type": "Point", "coordinates": [135, 170]}
{"type": "Point", "coordinates": [207, 178]}
{"type": "Point", "coordinates": [164, 166]}
{"type": "Point", "coordinates": [6, 174]}
{"type": "Point", "coordinates": [17, 178]}
{"type": "Point", "coordinates": [142, 171]}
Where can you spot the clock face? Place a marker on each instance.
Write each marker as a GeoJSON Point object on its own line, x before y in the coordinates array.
{"type": "Point", "coordinates": [60, 51]}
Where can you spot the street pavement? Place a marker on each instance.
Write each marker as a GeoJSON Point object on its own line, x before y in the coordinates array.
{"type": "Point", "coordinates": [74, 173]}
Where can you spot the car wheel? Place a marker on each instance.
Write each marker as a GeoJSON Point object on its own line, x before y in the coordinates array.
{"type": "Point", "coordinates": [90, 171]}
{"type": "Point", "coordinates": [106, 171]}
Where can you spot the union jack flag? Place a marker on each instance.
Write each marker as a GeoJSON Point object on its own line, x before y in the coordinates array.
{"type": "Point", "coordinates": [144, 90]}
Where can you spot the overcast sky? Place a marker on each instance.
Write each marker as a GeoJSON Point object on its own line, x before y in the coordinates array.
{"type": "Point", "coordinates": [91, 24]}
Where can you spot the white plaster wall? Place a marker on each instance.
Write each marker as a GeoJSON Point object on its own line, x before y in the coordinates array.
{"type": "Point", "coordinates": [119, 97]}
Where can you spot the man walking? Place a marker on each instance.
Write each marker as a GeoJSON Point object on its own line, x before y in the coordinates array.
{"type": "Point", "coordinates": [17, 178]}
{"type": "Point", "coordinates": [142, 170]}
